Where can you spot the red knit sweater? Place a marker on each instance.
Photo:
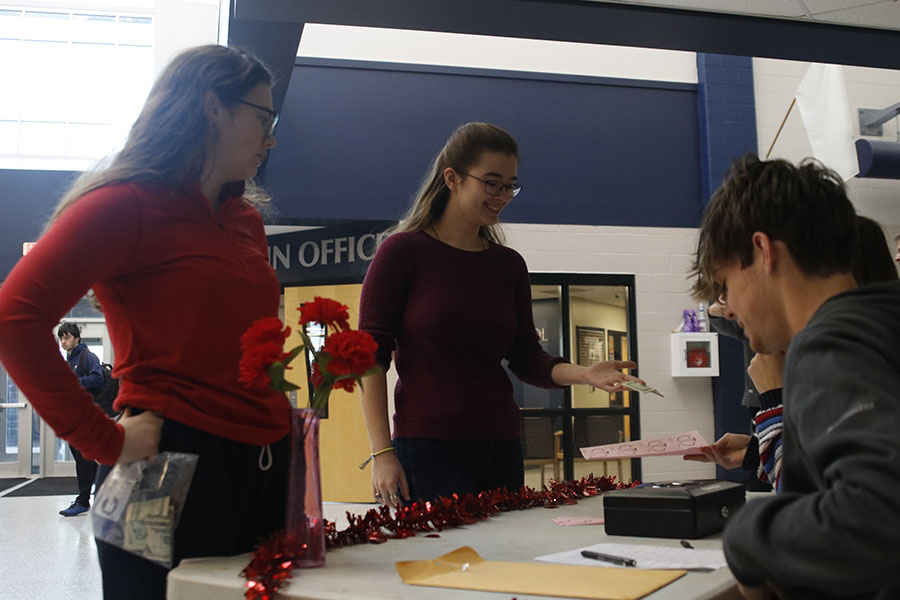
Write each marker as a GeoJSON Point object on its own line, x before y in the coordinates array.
{"type": "Point", "coordinates": [178, 284]}
{"type": "Point", "coordinates": [452, 317]}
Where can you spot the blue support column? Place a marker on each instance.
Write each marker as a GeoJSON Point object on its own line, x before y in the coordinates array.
{"type": "Point", "coordinates": [727, 112]}
{"type": "Point", "coordinates": [727, 115]}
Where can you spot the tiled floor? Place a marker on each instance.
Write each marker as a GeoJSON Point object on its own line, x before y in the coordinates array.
{"type": "Point", "coordinates": [49, 557]}
{"type": "Point", "coordinates": [44, 554]}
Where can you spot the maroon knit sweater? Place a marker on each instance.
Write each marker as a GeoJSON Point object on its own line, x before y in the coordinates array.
{"type": "Point", "coordinates": [451, 316]}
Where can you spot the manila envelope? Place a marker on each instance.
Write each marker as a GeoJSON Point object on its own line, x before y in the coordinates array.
{"type": "Point", "coordinates": [465, 569]}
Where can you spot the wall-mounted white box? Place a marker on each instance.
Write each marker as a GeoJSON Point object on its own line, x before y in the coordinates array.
{"type": "Point", "coordinates": [695, 354]}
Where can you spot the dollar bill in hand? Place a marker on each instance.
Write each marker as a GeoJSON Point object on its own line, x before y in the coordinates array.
{"type": "Point", "coordinates": [642, 388]}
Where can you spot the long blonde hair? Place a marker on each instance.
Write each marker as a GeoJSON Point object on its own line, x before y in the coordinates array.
{"type": "Point", "coordinates": [168, 141]}
{"type": "Point", "coordinates": [463, 149]}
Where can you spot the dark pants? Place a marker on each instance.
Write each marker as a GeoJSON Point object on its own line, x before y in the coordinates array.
{"type": "Point", "coordinates": [231, 504]}
{"type": "Point", "coordinates": [86, 473]}
{"type": "Point", "coordinates": [442, 467]}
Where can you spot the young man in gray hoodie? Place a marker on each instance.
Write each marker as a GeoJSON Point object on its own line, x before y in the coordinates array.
{"type": "Point", "coordinates": [777, 246]}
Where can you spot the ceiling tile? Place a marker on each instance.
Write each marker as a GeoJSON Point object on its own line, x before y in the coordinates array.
{"type": "Point", "coordinates": [885, 15]}
{"type": "Point", "coordinates": [880, 14]}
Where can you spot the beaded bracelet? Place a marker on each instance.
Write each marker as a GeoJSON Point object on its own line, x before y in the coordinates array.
{"type": "Point", "coordinates": [373, 455]}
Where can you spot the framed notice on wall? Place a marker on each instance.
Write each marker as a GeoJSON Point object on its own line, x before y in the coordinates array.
{"type": "Point", "coordinates": [590, 344]}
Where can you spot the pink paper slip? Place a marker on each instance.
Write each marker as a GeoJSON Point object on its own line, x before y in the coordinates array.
{"type": "Point", "coordinates": [671, 445]}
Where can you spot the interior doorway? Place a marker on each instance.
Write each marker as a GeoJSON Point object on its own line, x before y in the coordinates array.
{"type": "Point", "coordinates": [586, 318]}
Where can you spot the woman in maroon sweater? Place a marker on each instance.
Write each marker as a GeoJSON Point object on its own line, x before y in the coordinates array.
{"type": "Point", "coordinates": [451, 302]}
{"type": "Point", "coordinates": [176, 255]}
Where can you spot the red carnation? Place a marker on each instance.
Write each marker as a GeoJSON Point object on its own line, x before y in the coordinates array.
{"type": "Point", "coordinates": [348, 384]}
{"type": "Point", "coordinates": [345, 357]}
{"type": "Point", "coordinates": [327, 312]}
{"type": "Point", "coordinates": [262, 345]}
{"type": "Point", "coordinates": [350, 352]}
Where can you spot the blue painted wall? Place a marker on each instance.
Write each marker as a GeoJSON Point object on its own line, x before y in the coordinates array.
{"type": "Point", "coordinates": [356, 138]}
{"type": "Point", "coordinates": [27, 199]}
{"type": "Point", "coordinates": [727, 109]}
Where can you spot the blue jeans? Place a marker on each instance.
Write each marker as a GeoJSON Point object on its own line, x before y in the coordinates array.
{"type": "Point", "coordinates": [443, 467]}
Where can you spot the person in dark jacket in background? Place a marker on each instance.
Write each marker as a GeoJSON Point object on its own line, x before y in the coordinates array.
{"type": "Point", "coordinates": [86, 367]}
{"type": "Point", "coordinates": [777, 245]}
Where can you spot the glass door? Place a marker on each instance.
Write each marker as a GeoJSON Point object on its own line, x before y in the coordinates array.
{"type": "Point", "coordinates": [585, 318]}
{"type": "Point", "coordinates": [17, 431]}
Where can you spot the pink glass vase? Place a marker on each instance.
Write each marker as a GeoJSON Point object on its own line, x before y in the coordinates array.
{"type": "Point", "coordinates": [304, 503]}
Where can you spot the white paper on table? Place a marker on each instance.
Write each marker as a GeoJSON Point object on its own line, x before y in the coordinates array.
{"type": "Point", "coordinates": [670, 445]}
{"type": "Point", "coordinates": [646, 557]}
{"type": "Point", "coordinates": [578, 521]}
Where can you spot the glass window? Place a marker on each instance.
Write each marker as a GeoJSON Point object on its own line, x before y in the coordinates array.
{"type": "Point", "coordinates": [9, 419]}
{"type": "Point", "coordinates": [89, 140]}
{"type": "Point", "coordinates": [100, 61]}
{"type": "Point", "coordinates": [42, 139]}
{"type": "Point", "coordinates": [599, 320]}
{"type": "Point", "coordinates": [546, 306]}
{"type": "Point", "coordinates": [10, 71]}
{"type": "Point", "coordinates": [9, 137]}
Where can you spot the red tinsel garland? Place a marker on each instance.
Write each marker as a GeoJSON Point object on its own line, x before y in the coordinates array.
{"type": "Point", "coordinates": [273, 559]}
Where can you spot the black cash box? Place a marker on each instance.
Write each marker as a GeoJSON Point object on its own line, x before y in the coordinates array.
{"type": "Point", "coordinates": [672, 509]}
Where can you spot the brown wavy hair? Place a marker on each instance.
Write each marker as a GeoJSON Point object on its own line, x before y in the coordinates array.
{"type": "Point", "coordinates": [169, 140]}
{"type": "Point", "coordinates": [462, 149]}
{"type": "Point", "coordinates": [805, 206]}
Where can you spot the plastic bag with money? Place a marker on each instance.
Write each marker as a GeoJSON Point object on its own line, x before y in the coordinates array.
{"type": "Point", "coordinates": [139, 504]}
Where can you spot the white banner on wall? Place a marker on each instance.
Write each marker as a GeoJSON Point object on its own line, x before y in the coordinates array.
{"type": "Point", "coordinates": [823, 104]}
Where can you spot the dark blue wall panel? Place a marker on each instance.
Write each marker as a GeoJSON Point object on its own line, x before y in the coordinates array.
{"type": "Point", "coordinates": [27, 199]}
{"type": "Point", "coordinates": [727, 115]}
{"type": "Point", "coordinates": [355, 139]}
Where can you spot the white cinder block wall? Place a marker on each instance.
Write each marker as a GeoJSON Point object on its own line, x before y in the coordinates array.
{"type": "Point", "coordinates": [659, 258]}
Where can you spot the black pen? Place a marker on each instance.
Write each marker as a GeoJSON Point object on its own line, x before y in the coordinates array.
{"type": "Point", "coordinates": [618, 560]}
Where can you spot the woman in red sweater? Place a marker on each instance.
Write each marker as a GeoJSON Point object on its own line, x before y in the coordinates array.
{"type": "Point", "coordinates": [165, 235]}
{"type": "Point", "coordinates": [450, 302]}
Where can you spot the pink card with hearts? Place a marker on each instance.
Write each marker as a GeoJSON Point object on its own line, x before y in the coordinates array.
{"type": "Point", "coordinates": [670, 445]}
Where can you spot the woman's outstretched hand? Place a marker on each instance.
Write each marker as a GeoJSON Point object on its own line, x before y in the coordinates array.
{"type": "Point", "coordinates": [607, 375]}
